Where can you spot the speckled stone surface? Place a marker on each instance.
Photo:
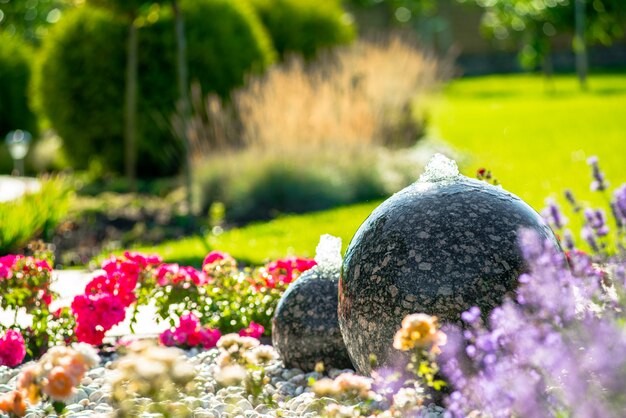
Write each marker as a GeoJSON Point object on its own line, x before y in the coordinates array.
{"type": "Point", "coordinates": [305, 329]}
{"type": "Point", "coordinates": [434, 247]}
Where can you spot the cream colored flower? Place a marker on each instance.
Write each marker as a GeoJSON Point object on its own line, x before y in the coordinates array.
{"type": "Point", "coordinates": [230, 375]}
{"type": "Point", "coordinates": [234, 342]}
{"type": "Point", "coordinates": [261, 355]}
{"type": "Point", "coordinates": [325, 388]}
{"type": "Point", "coordinates": [408, 398]}
{"type": "Point", "coordinates": [349, 383]}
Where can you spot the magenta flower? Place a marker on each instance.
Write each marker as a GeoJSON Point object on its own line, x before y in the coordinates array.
{"type": "Point", "coordinates": [173, 274]}
{"type": "Point", "coordinates": [96, 314]}
{"type": "Point", "coordinates": [167, 338]}
{"type": "Point", "coordinates": [253, 330]}
{"type": "Point", "coordinates": [286, 270]}
{"type": "Point", "coordinates": [7, 263]}
{"type": "Point", "coordinates": [210, 337]}
{"type": "Point", "coordinates": [143, 260]}
{"type": "Point", "coordinates": [215, 256]}
{"type": "Point", "coordinates": [12, 348]}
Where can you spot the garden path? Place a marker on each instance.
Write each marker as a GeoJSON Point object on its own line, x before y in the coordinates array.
{"type": "Point", "coordinates": [69, 283]}
{"type": "Point", "coordinates": [13, 187]}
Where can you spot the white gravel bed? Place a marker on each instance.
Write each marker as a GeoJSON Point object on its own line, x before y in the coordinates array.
{"type": "Point", "coordinates": [289, 389]}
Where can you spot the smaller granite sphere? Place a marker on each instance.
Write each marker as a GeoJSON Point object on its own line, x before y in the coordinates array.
{"type": "Point", "coordinates": [305, 328]}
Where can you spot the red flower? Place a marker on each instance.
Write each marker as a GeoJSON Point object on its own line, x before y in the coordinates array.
{"type": "Point", "coordinates": [194, 339]}
{"type": "Point", "coordinates": [89, 335]}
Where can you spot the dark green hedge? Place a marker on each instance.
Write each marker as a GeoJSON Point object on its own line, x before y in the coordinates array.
{"type": "Point", "coordinates": [79, 85]}
{"type": "Point", "coordinates": [15, 56]}
{"type": "Point", "coordinates": [305, 26]}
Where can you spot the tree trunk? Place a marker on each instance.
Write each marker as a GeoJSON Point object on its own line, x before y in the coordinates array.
{"type": "Point", "coordinates": [130, 122]}
{"type": "Point", "coordinates": [580, 45]}
{"type": "Point", "coordinates": [548, 68]}
{"type": "Point", "coordinates": [183, 89]}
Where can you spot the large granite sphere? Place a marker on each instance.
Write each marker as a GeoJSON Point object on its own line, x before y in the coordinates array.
{"type": "Point", "coordinates": [439, 247]}
{"type": "Point", "coordinates": [305, 329]}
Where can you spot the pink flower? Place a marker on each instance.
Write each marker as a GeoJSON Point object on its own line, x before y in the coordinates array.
{"type": "Point", "coordinates": [114, 284]}
{"type": "Point", "coordinates": [43, 264]}
{"type": "Point", "coordinates": [10, 260]}
{"type": "Point", "coordinates": [12, 348]}
{"type": "Point", "coordinates": [286, 270]}
{"type": "Point", "coordinates": [188, 323]}
{"type": "Point", "coordinates": [174, 274]}
{"type": "Point", "coordinates": [5, 272]}
{"type": "Point", "coordinates": [143, 260]}
{"type": "Point", "coordinates": [254, 330]}
{"type": "Point", "coordinates": [210, 337]}
{"type": "Point", "coordinates": [97, 312]}
{"type": "Point", "coordinates": [215, 256]}
{"type": "Point", "coordinates": [123, 267]}
{"type": "Point", "coordinates": [167, 338]}
{"type": "Point", "coordinates": [190, 273]}
{"type": "Point", "coordinates": [304, 264]}
{"type": "Point", "coordinates": [7, 263]}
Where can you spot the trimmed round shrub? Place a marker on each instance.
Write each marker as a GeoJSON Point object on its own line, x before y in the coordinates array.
{"type": "Point", "coordinates": [80, 82]}
{"type": "Point", "coordinates": [305, 26]}
{"type": "Point", "coordinates": [15, 113]}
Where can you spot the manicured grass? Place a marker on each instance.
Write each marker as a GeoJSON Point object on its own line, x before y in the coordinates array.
{"type": "Point", "coordinates": [259, 242]}
{"type": "Point", "coordinates": [533, 136]}
{"type": "Point", "coordinates": [535, 139]}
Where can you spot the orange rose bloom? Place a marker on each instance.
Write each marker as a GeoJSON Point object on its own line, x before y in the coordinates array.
{"type": "Point", "coordinates": [421, 331]}
{"type": "Point", "coordinates": [75, 366]}
{"type": "Point", "coordinates": [59, 385]}
{"type": "Point", "coordinates": [26, 384]}
{"type": "Point", "coordinates": [13, 402]}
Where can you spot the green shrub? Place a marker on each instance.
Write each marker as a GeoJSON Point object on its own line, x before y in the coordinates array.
{"type": "Point", "coordinates": [15, 113]}
{"type": "Point", "coordinates": [79, 85]}
{"type": "Point", "coordinates": [253, 186]}
{"type": "Point", "coordinates": [33, 215]}
{"type": "Point", "coordinates": [305, 26]}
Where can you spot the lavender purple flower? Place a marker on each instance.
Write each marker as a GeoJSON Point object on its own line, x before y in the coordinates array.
{"type": "Point", "coordinates": [553, 215]}
{"type": "Point", "coordinates": [569, 196]}
{"type": "Point", "coordinates": [558, 349]}
{"type": "Point", "coordinates": [599, 183]}
{"type": "Point", "coordinates": [596, 219]}
{"type": "Point", "coordinates": [618, 205]}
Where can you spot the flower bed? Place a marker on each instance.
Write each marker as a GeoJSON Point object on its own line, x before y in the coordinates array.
{"type": "Point", "coordinates": [558, 348]}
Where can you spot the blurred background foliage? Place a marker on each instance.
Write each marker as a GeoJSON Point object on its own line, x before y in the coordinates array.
{"type": "Point", "coordinates": [287, 106]}
{"type": "Point", "coordinates": [94, 40]}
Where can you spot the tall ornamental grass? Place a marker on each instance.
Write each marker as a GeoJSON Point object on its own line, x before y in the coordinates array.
{"type": "Point", "coordinates": [329, 123]}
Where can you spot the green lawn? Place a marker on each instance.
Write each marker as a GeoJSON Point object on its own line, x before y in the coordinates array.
{"type": "Point", "coordinates": [536, 142]}
{"type": "Point", "coordinates": [257, 243]}
{"type": "Point", "coordinates": [534, 138]}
